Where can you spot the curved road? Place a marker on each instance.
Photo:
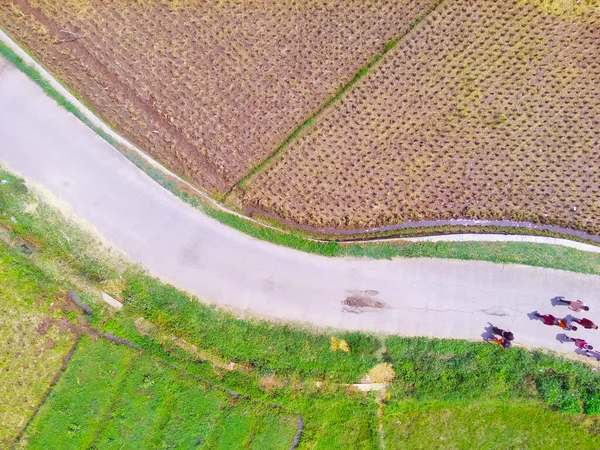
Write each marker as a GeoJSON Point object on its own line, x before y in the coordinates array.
{"type": "Point", "coordinates": [421, 297]}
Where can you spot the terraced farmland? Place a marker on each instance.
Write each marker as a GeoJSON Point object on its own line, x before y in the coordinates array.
{"type": "Point", "coordinates": [485, 110]}
{"type": "Point", "coordinates": [208, 88]}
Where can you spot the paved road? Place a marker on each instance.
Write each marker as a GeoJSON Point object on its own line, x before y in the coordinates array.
{"type": "Point", "coordinates": [423, 297]}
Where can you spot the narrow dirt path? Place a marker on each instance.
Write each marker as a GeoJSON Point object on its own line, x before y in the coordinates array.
{"type": "Point", "coordinates": [416, 297]}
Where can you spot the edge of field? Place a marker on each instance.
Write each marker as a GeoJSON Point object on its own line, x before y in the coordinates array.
{"type": "Point", "coordinates": [377, 245]}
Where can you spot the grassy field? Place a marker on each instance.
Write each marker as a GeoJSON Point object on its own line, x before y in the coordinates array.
{"type": "Point", "coordinates": [485, 424]}
{"type": "Point", "coordinates": [249, 72]}
{"type": "Point", "coordinates": [34, 337]}
{"type": "Point", "coordinates": [499, 121]}
{"type": "Point", "coordinates": [111, 396]}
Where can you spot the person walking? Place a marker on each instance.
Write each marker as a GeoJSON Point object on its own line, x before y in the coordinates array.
{"type": "Point", "coordinates": [566, 325]}
{"type": "Point", "coordinates": [586, 323]}
{"type": "Point", "coordinates": [582, 344]}
{"type": "Point", "coordinates": [548, 319]}
{"type": "Point", "coordinates": [576, 305]}
{"type": "Point", "coordinates": [505, 334]}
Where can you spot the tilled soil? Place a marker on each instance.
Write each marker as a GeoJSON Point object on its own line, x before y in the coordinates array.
{"type": "Point", "coordinates": [487, 110]}
{"type": "Point", "coordinates": [209, 88]}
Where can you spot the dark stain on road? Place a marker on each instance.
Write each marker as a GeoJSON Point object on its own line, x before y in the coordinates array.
{"type": "Point", "coordinates": [359, 301]}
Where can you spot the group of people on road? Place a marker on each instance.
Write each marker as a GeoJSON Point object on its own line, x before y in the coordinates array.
{"type": "Point", "coordinates": [504, 338]}
{"type": "Point", "coordinates": [567, 324]}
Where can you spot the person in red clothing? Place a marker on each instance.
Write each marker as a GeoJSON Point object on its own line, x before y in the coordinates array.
{"type": "Point", "coordinates": [550, 320]}
{"type": "Point", "coordinates": [582, 344]}
{"type": "Point", "coordinates": [586, 323]}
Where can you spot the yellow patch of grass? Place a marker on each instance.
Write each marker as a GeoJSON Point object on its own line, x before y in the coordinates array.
{"type": "Point", "coordinates": [339, 344]}
{"type": "Point", "coordinates": [381, 373]}
{"type": "Point", "coordinates": [31, 349]}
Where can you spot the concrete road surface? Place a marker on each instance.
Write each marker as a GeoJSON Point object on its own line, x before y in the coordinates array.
{"type": "Point", "coordinates": [421, 297]}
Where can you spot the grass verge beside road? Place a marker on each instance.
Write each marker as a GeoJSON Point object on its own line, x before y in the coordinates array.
{"type": "Point", "coordinates": [486, 424]}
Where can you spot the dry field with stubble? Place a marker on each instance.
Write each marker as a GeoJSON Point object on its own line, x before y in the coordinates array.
{"type": "Point", "coordinates": [342, 114]}
{"type": "Point", "coordinates": [486, 110]}
{"type": "Point", "coordinates": [211, 88]}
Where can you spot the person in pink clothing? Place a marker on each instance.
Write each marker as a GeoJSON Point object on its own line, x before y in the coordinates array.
{"type": "Point", "coordinates": [576, 305]}
{"type": "Point", "coordinates": [582, 344]}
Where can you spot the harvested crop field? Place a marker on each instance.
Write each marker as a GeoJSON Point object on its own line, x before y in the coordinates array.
{"type": "Point", "coordinates": [485, 110]}
{"type": "Point", "coordinates": [212, 88]}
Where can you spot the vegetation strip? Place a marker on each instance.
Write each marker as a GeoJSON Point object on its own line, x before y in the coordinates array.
{"type": "Point", "coordinates": [309, 122]}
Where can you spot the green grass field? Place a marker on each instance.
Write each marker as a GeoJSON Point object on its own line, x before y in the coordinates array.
{"type": "Point", "coordinates": [112, 396]}
{"type": "Point", "coordinates": [486, 424]}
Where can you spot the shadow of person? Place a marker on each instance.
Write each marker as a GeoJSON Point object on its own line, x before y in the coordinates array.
{"type": "Point", "coordinates": [581, 352]}
{"type": "Point", "coordinates": [533, 316]}
{"type": "Point", "coordinates": [571, 318]}
{"type": "Point", "coordinates": [562, 338]}
{"type": "Point", "coordinates": [488, 333]}
{"type": "Point", "coordinates": [556, 301]}
{"type": "Point", "coordinates": [593, 354]}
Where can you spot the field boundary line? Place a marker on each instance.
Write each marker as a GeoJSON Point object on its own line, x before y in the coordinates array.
{"type": "Point", "coordinates": [61, 370]}
{"type": "Point", "coordinates": [181, 188]}
{"type": "Point", "coordinates": [363, 71]}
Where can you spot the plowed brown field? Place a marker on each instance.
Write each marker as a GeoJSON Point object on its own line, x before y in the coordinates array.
{"type": "Point", "coordinates": [486, 110]}
{"type": "Point", "coordinates": [209, 88]}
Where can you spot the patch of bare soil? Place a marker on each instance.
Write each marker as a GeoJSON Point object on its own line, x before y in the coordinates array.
{"type": "Point", "coordinates": [362, 302]}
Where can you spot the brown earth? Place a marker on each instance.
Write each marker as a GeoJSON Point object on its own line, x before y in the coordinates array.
{"type": "Point", "coordinates": [210, 88]}
{"type": "Point", "coordinates": [486, 110]}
